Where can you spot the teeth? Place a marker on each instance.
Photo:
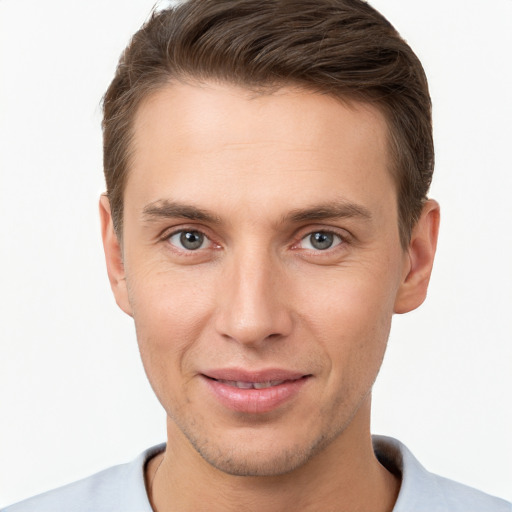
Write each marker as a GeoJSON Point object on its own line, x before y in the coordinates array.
{"type": "Point", "coordinates": [242, 385]}
{"type": "Point", "coordinates": [252, 385]}
{"type": "Point", "coordinates": [268, 384]}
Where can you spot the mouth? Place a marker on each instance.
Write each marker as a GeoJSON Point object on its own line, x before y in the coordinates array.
{"type": "Point", "coordinates": [253, 385]}
{"type": "Point", "coordinates": [255, 392]}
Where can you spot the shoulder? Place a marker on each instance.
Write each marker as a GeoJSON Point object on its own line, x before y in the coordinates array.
{"type": "Point", "coordinates": [469, 499]}
{"type": "Point", "coordinates": [116, 488]}
{"type": "Point", "coordinates": [97, 492]}
{"type": "Point", "coordinates": [423, 491]}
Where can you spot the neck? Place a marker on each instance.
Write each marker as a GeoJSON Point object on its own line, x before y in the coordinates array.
{"type": "Point", "coordinates": [345, 476]}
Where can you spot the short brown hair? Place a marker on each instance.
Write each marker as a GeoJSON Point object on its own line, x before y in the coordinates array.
{"type": "Point", "coordinates": [344, 48]}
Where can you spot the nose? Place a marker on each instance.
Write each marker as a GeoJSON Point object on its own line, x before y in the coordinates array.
{"type": "Point", "coordinates": [252, 305]}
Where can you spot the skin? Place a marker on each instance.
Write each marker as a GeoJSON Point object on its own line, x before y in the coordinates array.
{"type": "Point", "coordinates": [268, 170]}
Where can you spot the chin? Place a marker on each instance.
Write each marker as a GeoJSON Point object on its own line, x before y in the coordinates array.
{"type": "Point", "coordinates": [258, 455]}
{"type": "Point", "coordinates": [260, 463]}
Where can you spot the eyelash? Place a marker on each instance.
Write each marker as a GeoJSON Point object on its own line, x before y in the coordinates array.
{"type": "Point", "coordinates": [166, 237]}
{"type": "Point", "coordinates": [343, 239]}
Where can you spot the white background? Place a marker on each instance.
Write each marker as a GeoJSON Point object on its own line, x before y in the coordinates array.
{"type": "Point", "coordinates": [73, 396]}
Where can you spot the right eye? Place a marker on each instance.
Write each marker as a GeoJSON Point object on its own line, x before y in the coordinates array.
{"type": "Point", "coordinates": [189, 240]}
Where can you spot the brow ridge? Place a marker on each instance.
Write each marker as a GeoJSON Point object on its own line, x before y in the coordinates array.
{"type": "Point", "coordinates": [165, 209]}
{"type": "Point", "coordinates": [331, 210]}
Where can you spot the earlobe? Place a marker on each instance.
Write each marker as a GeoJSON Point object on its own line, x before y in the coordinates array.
{"type": "Point", "coordinates": [421, 252]}
{"type": "Point", "coordinates": [113, 256]}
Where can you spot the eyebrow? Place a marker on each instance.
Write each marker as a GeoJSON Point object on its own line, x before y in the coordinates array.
{"type": "Point", "coordinates": [331, 210]}
{"type": "Point", "coordinates": [165, 209]}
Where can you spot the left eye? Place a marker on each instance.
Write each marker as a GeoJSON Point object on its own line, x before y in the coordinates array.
{"type": "Point", "coordinates": [320, 241]}
{"type": "Point", "coordinates": [189, 239]}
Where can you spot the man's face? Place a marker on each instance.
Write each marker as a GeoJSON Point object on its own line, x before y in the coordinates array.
{"type": "Point", "coordinates": [262, 262]}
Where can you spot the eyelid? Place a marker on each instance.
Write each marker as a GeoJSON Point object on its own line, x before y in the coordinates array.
{"type": "Point", "coordinates": [344, 236]}
{"type": "Point", "coordinates": [205, 241]}
{"type": "Point", "coordinates": [322, 228]}
{"type": "Point", "coordinates": [172, 230]}
{"type": "Point", "coordinates": [335, 242]}
{"type": "Point", "coordinates": [169, 232]}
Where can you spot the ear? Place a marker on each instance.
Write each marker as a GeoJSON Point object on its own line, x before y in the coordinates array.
{"type": "Point", "coordinates": [419, 259]}
{"type": "Point", "coordinates": [113, 257]}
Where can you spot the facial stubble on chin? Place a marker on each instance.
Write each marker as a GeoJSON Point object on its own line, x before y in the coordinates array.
{"type": "Point", "coordinates": [255, 464]}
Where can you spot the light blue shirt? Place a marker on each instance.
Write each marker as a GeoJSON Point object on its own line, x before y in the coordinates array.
{"type": "Point", "coordinates": [122, 489]}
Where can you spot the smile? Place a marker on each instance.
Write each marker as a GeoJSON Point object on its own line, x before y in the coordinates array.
{"type": "Point", "coordinates": [254, 392]}
{"type": "Point", "coordinates": [251, 385]}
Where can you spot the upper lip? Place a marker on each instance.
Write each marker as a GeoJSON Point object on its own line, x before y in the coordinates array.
{"type": "Point", "coordinates": [264, 375]}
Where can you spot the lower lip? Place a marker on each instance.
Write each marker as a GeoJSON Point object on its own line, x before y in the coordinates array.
{"type": "Point", "coordinates": [255, 400]}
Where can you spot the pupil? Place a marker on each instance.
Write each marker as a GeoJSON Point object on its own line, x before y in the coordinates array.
{"type": "Point", "coordinates": [191, 240]}
{"type": "Point", "coordinates": [321, 240]}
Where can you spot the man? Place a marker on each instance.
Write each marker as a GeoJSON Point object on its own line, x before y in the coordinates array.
{"type": "Point", "coordinates": [267, 168]}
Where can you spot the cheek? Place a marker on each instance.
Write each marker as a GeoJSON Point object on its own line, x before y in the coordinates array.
{"type": "Point", "coordinates": [351, 319]}
{"type": "Point", "coordinates": [170, 310]}
{"type": "Point", "coordinates": [349, 299]}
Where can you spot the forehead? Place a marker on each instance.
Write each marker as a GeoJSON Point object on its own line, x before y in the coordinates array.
{"type": "Point", "coordinates": [206, 113]}
{"type": "Point", "coordinates": [293, 144]}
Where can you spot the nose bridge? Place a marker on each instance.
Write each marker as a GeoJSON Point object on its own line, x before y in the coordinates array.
{"type": "Point", "coordinates": [252, 306]}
